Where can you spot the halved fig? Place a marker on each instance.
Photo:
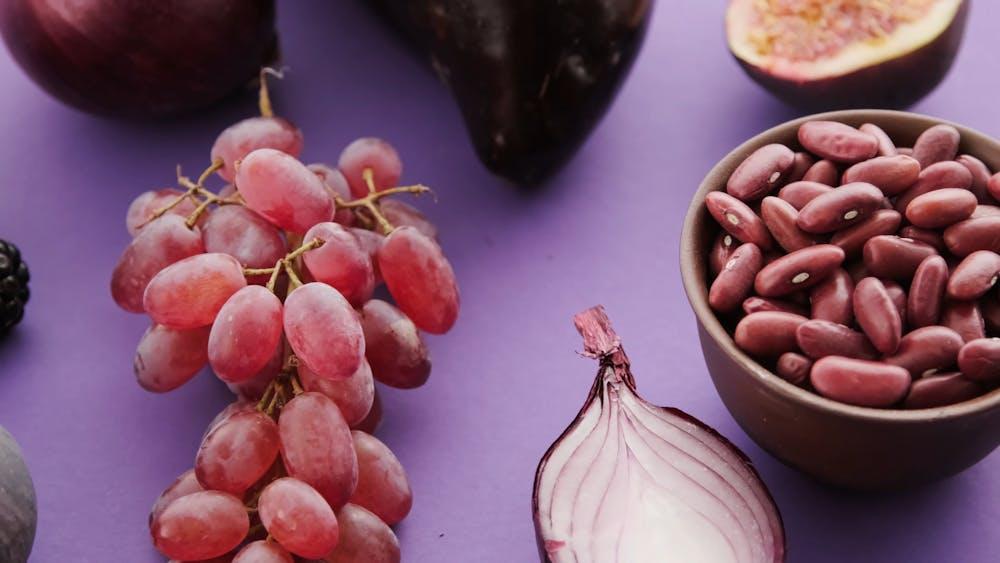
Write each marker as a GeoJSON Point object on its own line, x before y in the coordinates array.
{"type": "Point", "coordinates": [830, 54]}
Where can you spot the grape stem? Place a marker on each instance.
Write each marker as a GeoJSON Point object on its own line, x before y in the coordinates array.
{"type": "Point", "coordinates": [264, 97]}
{"type": "Point", "coordinates": [194, 191]}
{"type": "Point", "coordinates": [286, 265]}
{"type": "Point", "coordinates": [370, 201]}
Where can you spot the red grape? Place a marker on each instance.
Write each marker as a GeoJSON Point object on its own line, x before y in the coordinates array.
{"type": "Point", "coordinates": [369, 152]}
{"type": "Point", "coordinates": [263, 551]}
{"type": "Point", "coordinates": [401, 214]}
{"type": "Point", "coordinates": [353, 395]}
{"type": "Point", "coordinates": [382, 484]}
{"type": "Point", "coordinates": [237, 452]}
{"type": "Point", "coordinates": [337, 184]}
{"type": "Point", "coordinates": [371, 242]}
{"type": "Point", "coordinates": [298, 518]}
{"type": "Point", "coordinates": [340, 262]}
{"type": "Point", "coordinates": [159, 244]}
{"type": "Point", "coordinates": [324, 330]}
{"type": "Point", "coordinates": [200, 525]}
{"type": "Point", "coordinates": [167, 358]}
{"type": "Point", "coordinates": [420, 279]}
{"type": "Point", "coordinates": [373, 419]}
{"type": "Point", "coordinates": [393, 346]}
{"type": "Point", "coordinates": [228, 191]}
{"type": "Point", "coordinates": [364, 538]}
{"type": "Point", "coordinates": [239, 405]}
{"type": "Point", "coordinates": [253, 389]}
{"type": "Point", "coordinates": [244, 235]}
{"type": "Point", "coordinates": [245, 334]}
{"type": "Point", "coordinates": [226, 558]}
{"type": "Point", "coordinates": [146, 204]}
{"type": "Point", "coordinates": [242, 138]}
{"type": "Point", "coordinates": [184, 485]}
{"type": "Point", "coordinates": [317, 448]}
{"type": "Point", "coordinates": [189, 293]}
{"type": "Point", "coordinates": [283, 190]}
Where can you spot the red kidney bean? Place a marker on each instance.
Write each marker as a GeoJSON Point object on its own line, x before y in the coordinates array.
{"type": "Point", "coordinates": [723, 247]}
{"type": "Point", "coordinates": [819, 339]}
{"type": "Point", "coordinates": [799, 298]}
{"type": "Point", "coordinates": [798, 270]}
{"type": "Point", "coordinates": [736, 279]}
{"type": "Point", "coordinates": [837, 142]}
{"type": "Point", "coordinates": [738, 219]}
{"type": "Point", "coordinates": [927, 349]}
{"type": "Point", "coordinates": [938, 176]}
{"type": "Point", "coordinates": [800, 193]}
{"type": "Point", "coordinates": [927, 236]}
{"type": "Point", "coordinates": [779, 216]}
{"type": "Point", "coordinates": [768, 334]}
{"type": "Point", "coordinates": [941, 390]}
{"type": "Point", "coordinates": [980, 176]}
{"type": "Point", "coordinates": [964, 318]}
{"type": "Point", "coordinates": [800, 165]}
{"type": "Point", "coordinates": [853, 238]}
{"type": "Point", "coordinates": [941, 208]}
{"type": "Point", "coordinates": [971, 235]}
{"type": "Point", "coordinates": [936, 144]}
{"type": "Point", "coordinates": [993, 186]}
{"type": "Point", "coordinates": [840, 208]}
{"type": "Point", "coordinates": [794, 368]}
{"type": "Point", "coordinates": [771, 256]}
{"type": "Point", "coordinates": [761, 172]}
{"type": "Point", "coordinates": [898, 296]}
{"type": "Point", "coordinates": [923, 304]}
{"type": "Point", "coordinates": [756, 304]}
{"type": "Point", "coordinates": [985, 211]}
{"type": "Point", "coordinates": [895, 258]}
{"type": "Point", "coordinates": [885, 145]}
{"type": "Point", "coordinates": [990, 309]}
{"type": "Point", "coordinates": [858, 271]}
{"type": "Point", "coordinates": [859, 382]}
{"type": "Point", "coordinates": [832, 299]}
{"type": "Point", "coordinates": [877, 315]}
{"type": "Point", "coordinates": [823, 172]}
{"type": "Point", "coordinates": [979, 360]}
{"type": "Point", "coordinates": [974, 276]}
{"type": "Point", "coordinates": [890, 174]}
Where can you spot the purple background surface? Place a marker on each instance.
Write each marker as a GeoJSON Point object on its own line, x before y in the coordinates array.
{"type": "Point", "coordinates": [507, 380]}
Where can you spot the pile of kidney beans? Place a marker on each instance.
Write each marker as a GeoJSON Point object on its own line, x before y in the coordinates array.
{"type": "Point", "coordinates": [865, 272]}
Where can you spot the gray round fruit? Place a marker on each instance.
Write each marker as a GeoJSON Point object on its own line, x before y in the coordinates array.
{"type": "Point", "coordinates": [18, 511]}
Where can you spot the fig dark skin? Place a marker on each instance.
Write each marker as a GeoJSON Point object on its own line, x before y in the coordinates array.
{"type": "Point", "coordinates": [893, 71]}
{"type": "Point", "coordinates": [531, 78]}
{"type": "Point", "coordinates": [138, 58]}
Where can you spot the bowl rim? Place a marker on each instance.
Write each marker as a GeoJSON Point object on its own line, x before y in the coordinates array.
{"type": "Point", "coordinates": [697, 293]}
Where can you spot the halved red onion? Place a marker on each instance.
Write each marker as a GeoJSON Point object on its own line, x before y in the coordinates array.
{"type": "Point", "coordinates": [632, 482]}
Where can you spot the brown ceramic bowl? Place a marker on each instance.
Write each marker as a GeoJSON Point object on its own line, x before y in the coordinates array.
{"type": "Point", "coordinates": [843, 445]}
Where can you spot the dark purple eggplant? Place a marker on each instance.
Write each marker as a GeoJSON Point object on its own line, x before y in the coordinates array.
{"type": "Point", "coordinates": [532, 78]}
{"type": "Point", "coordinates": [136, 57]}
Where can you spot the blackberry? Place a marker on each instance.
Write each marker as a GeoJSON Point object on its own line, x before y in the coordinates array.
{"type": "Point", "coordinates": [14, 292]}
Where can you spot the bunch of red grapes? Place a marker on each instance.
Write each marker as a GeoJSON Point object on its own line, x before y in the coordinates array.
{"type": "Point", "coordinates": [271, 282]}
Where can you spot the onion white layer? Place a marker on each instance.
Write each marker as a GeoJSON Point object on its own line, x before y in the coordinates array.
{"type": "Point", "coordinates": [632, 482]}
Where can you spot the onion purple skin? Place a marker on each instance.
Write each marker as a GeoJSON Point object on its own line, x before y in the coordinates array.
{"type": "Point", "coordinates": [140, 58]}
{"type": "Point", "coordinates": [594, 391]}
{"type": "Point", "coordinates": [893, 84]}
{"type": "Point", "coordinates": [18, 508]}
